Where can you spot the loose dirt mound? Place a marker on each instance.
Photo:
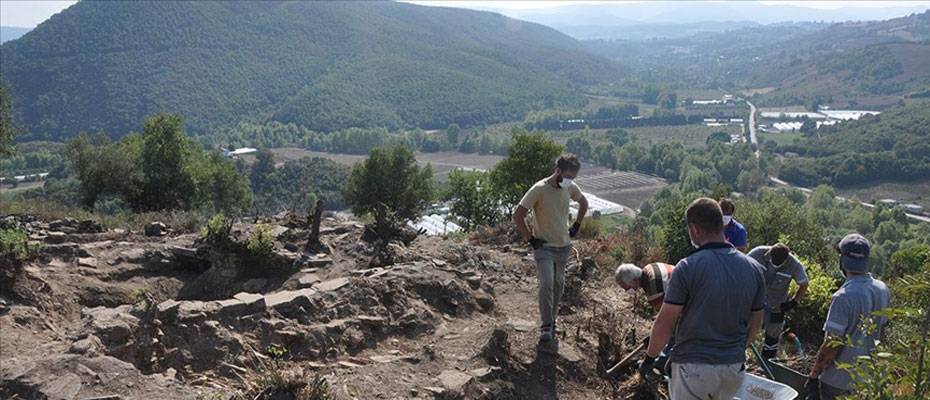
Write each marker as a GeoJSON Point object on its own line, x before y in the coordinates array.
{"type": "Point", "coordinates": [115, 313]}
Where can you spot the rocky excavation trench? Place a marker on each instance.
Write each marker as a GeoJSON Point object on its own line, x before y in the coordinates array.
{"type": "Point", "coordinates": [112, 314]}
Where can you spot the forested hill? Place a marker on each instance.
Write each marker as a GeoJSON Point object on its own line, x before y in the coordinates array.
{"type": "Point", "coordinates": [325, 65]}
{"type": "Point", "coordinates": [892, 146]}
{"type": "Point", "coordinates": [874, 63]}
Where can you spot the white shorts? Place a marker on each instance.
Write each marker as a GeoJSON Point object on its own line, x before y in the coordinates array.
{"type": "Point", "coordinates": [705, 381]}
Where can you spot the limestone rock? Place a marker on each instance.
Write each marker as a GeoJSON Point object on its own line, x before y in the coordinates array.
{"type": "Point", "coordinates": [307, 280]}
{"type": "Point", "coordinates": [332, 284]}
{"type": "Point", "coordinates": [89, 346]}
{"type": "Point", "coordinates": [287, 301]}
{"type": "Point", "coordinates": [454, 381]}
{"type": "Point", "coordinates": [56, 237]}
{"type": "Point", "coordinates": [89, 262]}
{"type": "Point", "coordinates": [111, 325]}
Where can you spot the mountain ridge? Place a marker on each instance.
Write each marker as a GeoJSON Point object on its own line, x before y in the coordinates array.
{"type": "Point", "coordinates": [314, 64]}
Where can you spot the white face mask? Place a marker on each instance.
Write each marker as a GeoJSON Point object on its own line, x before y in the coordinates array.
{"type": "Point", "coordinates": [727, 219]}
{"type": "Point", "coordinates": [566, 182]}
{"type": "Point", "coordinates": [631, 291]}
{"type": "Point", "coordinates": [695, 245]}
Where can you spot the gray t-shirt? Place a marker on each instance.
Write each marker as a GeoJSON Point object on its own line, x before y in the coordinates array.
{"type": "Point", "coordinates": [719, 288]}
{"type": "Point", "coordinates": [778, 279]}
{"type": "Point", "coordinates": [856, 300]}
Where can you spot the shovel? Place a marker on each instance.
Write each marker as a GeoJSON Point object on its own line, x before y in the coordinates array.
{"type": "Point", "coordinates": [626, 360]}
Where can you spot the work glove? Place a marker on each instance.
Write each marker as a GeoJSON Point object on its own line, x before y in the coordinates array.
{"type": "Point", "coordinates": [811, 389]}
{"type": "Point", "coordinates": [573, 231]}
{"type": "Point", "coordinates": [536, 243]}
{"type": "Point", "coordinates": [647, 368]}
{"type": "Point", "coordinates": [788, 305]}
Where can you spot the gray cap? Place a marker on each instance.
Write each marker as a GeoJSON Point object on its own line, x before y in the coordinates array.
{"type": "Point", "coordinates": [854, 253]}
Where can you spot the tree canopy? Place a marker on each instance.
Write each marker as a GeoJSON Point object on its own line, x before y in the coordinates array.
{"type": "Point", "coordinates": [325, 66]}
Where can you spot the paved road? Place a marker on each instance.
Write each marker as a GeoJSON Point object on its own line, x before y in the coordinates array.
{"type": "Point", "coordinates": [869, 205]}
{"type": "Point", "coordinates": [752, 138]}
{"type": "Point", "coordinates": [752, 127]}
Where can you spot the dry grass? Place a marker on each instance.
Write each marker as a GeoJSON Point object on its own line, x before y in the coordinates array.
{"type": "Point", "coordinates": [182, 221]}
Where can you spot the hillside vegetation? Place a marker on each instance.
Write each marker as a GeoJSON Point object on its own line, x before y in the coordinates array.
{"type": "Point", "coordinates": [869, 63]}
{"type": "Point", "coordinates": [326, 66]}
{"type": "Point", "coordinates": [892, 146]}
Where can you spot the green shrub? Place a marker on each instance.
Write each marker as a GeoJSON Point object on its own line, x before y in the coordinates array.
{"type": "Point", "coordinates": [140, 296]}
{"type": "Point", "coordinates": [14, 244]}
{"type": "Point", "coordinates": [261, 242]}
{"type": "Point", "coordinates": [217, 230]}
{"type": "Point", "coordinates": [474, 202]}
{"type": "Point", "coordinates": [530, 158]}
{"type": "Point", "coordinates": [807, 319]}
{"type": "Point", "coordinates": [161, 169]}
{"type": "Point", "coordinates": [276, 352]}
{"type": "Point", "coordinates": [908, 260]}
{"type": "Point", "coordinates": [389, 186]}
{"type": "Point", "coordinates": [590, 229]}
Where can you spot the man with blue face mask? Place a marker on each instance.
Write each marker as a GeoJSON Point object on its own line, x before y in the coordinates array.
{"type": "Point", "coordinates": [734, 231]}
{"type": "Point", "coordinates": [551, 235]}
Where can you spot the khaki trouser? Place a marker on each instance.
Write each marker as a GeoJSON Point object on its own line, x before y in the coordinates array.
{"type": "Point", "coordinates": [705, 381]}
{"type": "Point", "coordinates": [550, 267]}
{"type": "Point", "coordinates": [774, 325]}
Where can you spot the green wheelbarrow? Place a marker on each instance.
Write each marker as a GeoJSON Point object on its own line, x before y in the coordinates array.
{"type": "Point", "coordinates": [783, 374]}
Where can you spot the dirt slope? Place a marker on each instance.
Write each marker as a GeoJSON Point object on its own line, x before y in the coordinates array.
{"type": "Point", "coordinates": [121, 314]}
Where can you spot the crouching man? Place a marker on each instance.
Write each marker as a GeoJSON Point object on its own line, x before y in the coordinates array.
{"type": "Point", "coordinates": [653, 279]}
{"type": "Point", "coordinates": [551, 235]}
{"type": "Point", "coordinates": [780, 268]}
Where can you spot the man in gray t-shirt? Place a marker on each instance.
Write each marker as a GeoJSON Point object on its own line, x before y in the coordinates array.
{"type": "Point", "coordinates": [714, 304]}
{"type": "Point", "coordinates": [850, 310]}
{"type": "Point", "coordinates": [780, 268]}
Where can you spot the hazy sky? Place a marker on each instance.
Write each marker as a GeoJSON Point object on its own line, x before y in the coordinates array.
{"type": "Point", "coordinates": [529, 5]}
{"type": "Point", "coordinates": [28, 13]}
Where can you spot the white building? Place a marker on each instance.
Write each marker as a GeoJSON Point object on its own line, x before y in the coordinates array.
{"type": "Point", "coordinates": [792, 115]}
{"type": "Point", "coordinates": [238, 152]}
{"type": "Point", "coordinates": [603, 206]}
{"type": "Point", "coordinates": [787, 126]}
{"type": "Point", "coordinates": [435, 225]}
{"type": "Point", "coordinates": [846, 115]}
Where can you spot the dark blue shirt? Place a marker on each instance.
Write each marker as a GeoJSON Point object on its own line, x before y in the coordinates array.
{"type": "Point", "coordinates": [719, 288]}
{"type": "Point", "coordinates": [736, 234]}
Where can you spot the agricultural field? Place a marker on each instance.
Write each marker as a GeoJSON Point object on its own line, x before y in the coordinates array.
{"type": "Point", "coordinates": [781, 138]}
{"type": "Point", "coordinates": [690, 135]}
{"type": "Point", "coordinates": [904, 192]}
{"type": "Point", "coordinates": [629, 189]}
{"type": "Point", "coordinates": [442, 162]}
{"type": "Point", "coordinates": [7, 188]}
